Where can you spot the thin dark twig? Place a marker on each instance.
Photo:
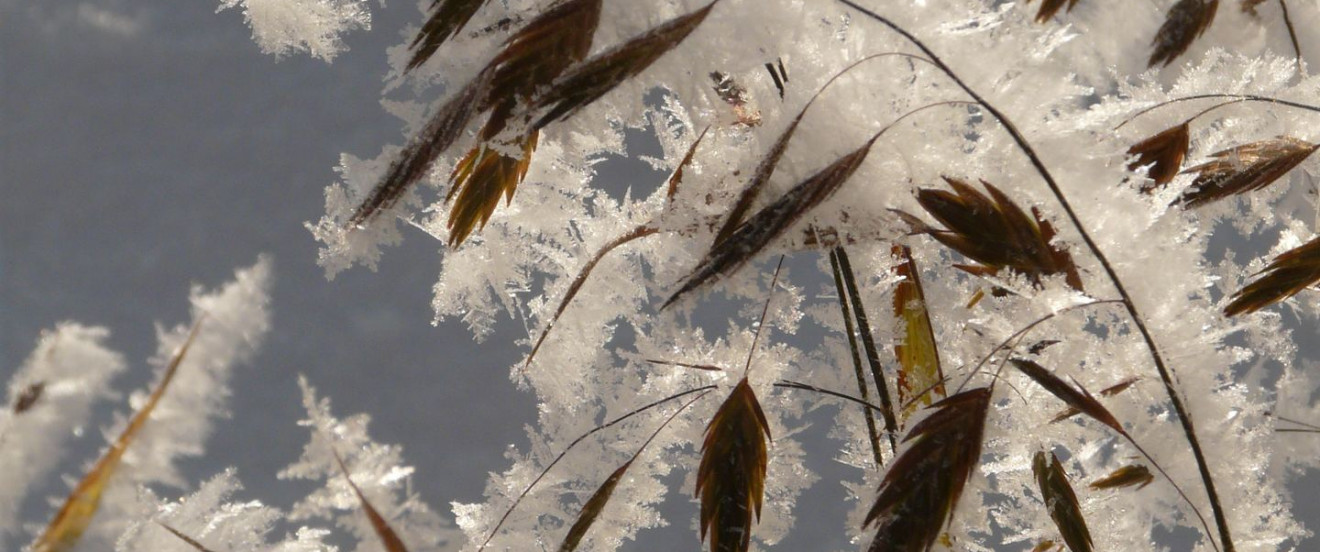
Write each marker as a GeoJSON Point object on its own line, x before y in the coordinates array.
{"type": "Point", "coordinates": [494, 531]}
{"type": "Point", "coordinates": [1295, 430]}
{"type": "Point", "coordinates": [1166, 376]}
{"type": "Point", "coordinates": [1298, 422]}
{"type": "Point", "coordinates": [868, 342]}
{"type": "Point", "coordinates": [1242, 97]}
{"type": "Point", "coordinates": [1023, 332]}
{"type": "Point", "coordinates": [1292, 35]}
{"type": "Point", "coordinates": [857, 362]}
{"type": "Point", "coordinates": [764, 309]}
{"type": "Point", "coordinates": [789, 384]}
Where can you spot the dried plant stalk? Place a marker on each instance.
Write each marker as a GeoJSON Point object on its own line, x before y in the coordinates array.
{"type": "Point", "coordinates": [185, 538]}
{"type": "Point", "coordinates": [994, 231]}
{"type": "Point", "coordinates": [1126, 476]}
{"type": "Point", "coordinates": [1186, 21]}
{"type": "Point", "coordinates": [1287, 275]}
{"type": "Point", "coordinates": [447, 18]}
{"type": "Point", "coordinates": [64, 531]}
{"type": "Point", "coordinates": [921, 489]}
{"type": "Point", "coordinates": [1244, 168]}
{"type": "Point", "coordinates": [1061, 502]}
{"type": "Point", "coordinates": [1163, 153]}
{"type": "Point", "coordinates": [731, 478]}
{"type": "Point", "coordinates": [918, 356]}
{"type": "Point", "coordinates": [388, 537]}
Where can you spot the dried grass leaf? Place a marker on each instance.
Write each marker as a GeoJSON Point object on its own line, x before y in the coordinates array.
{"type": "Point", "coordinates": [1106, 392]}
{"type": "Point", "coordinates": [478, 182]}
{"type": "Point", "coordinates": [731, 478]}
{"type": "Point", "coordinates": [1077, 398]}
{"type": "Point", "coordinates": [1061, 502]}
{"type": "Point", "coordinates": [1163, 153]}
{"type": "Point", "coordinates": [1126, 476]}
{"type": "Point", "coordinates": [994, 231]}
{"type": "Point", "coordinates": [185, 538]}
{"type": "Point", "coordinates": [921, 489]}
{"type": "Point", "coordinates": [416, 158]}
{"type": "Point", "coordinates": [759, 179]}
{"type": "Point", "coordinates": [1287, 275]}
{"type": "Point", "coordinates": [597, 76]}
{"type": "Point", "coordinates": [64, 530]}
{"type": "Point", "coordinates": [388, 538]}
{"type": "Point", "coordinates": [676, 179]}
{"type": "Point", "coordinates": [918, 355]}
{"type": "Point", "coordinates": [1244, 168]}
{"type": "Point", "coordinates": [1186, 21]}
{"type": "Point", "coordinates": [749, 239]}
{"type": "Point", "coordinates": [447, 18]}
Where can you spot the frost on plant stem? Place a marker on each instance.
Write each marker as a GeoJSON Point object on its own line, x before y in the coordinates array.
{"type": "Point", "coordinates": [281, 27]}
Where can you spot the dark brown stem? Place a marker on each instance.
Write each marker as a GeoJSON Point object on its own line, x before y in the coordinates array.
{"type": "Point", "coordinates": [857, 362]}
{"type": "Point", "coordinates": [1184, 416]}
{"type": "Point", "coordinates": [868, 343]}
{"type": "Point", "coordinates": [1292, 35]}
{"type": "Point", "coordinates": [789, 384]}
{"type": "Point", "coordinates": [1241, 97]}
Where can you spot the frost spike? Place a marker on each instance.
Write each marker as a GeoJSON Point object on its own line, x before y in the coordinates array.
{"type": "Point", "coordinates": [63, 532]}
{"type": "Point", "coordinates": [918, 355]}
{"type": "Point", "coordinates": [1186, 21]}
{"type": "Point", "coordinates": [597, 76]}
{"type": "Point", "coordinates": [1287, 275]}
{"type": "Point", "coordinates": [769, 223]}
{"type": "Point", "coordinates": [1244, 168]}
{"type": "Point", "coordinates": [921, 489]}
{"type": "Point", "coordinates": [448, 17]}
{"type": "Point", "coordinates": [731, 478]}
{"type": "Point", "coordinates": [1061, 502]}
{"type": "Point", "coordinates": [1126, 476]}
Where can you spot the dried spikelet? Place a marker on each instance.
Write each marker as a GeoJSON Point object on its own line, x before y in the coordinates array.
{"type": "Point", "coordinates": [185, 538]}
{"type": "Point", "coordinates": [595, 77]}
{"type": "Point", "coordinates": [759, 179]}
{"type": "Point", "coordinates": [748, 240]}
{"type": "Point", "coordinates": [675, 179]}
{"type": "Point", "coordinates": [1186, 21]}
{"type": "Point", "coordinates": [388, 538]}
{"type": "Point", "coordinates": [918, 355]}
{"type": "Point", "coordinates": [995, 232]}
{"type": "Point", "coordinates": [29, 397]}
{"type": "Point", "coordinates": [1061, 502]}
{"type": "Point", "coordinates": [1079, 399]}
{"type": "Point", "coordinates": [416, 158]}
{"type": "Point", "coordinates": [921, 489]}
{"type": "Point", "coordinates": [592, 509]}
{"type": "Point", "coordinates": [1287, 275]}
{"type": "Point", "coordinates": [447, 18]}
{"type": "Point", "coordinates": [1048, 8]}
{"type": "Point", "coordinates": [1244, 168]}
{"type": "Point", "coordinates": [538, 54]}
{"type": "Point", "coordinates": [1106, 392]}
{"type": "Point", "coordinates": [1045, 545]}
{"type": "Point", "coordinates": [1163, 153]}
{"type": "Point", "coordinates": [731, 478]}
{"type": "Point", "coordinates": [1126, 476]}
{"type": "Point", "coordinates": [63, 532]}
{"type": "Point", "coordinates": [735, 95]}
{"type": "Point", "coordinates": [478, 182]}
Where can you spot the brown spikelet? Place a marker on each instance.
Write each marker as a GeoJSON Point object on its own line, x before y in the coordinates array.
{"type": "Point", "coordinates": [1244, 168]}
{"type": "Point", "coordinates": [918, 355]}
{"type": "Point", "coordinates": [597, 76]}
{"type": "Point", "coordinates": [1046, 545]}
{"type": "Point", "coordinates": [185, 538]}
{"type": "Point", "coordinates": [1076, 398]}
{"type": "Point", "coordinates": [1163, 153]}
{"type": "Point", "coordinates": [538, 54]}
{"type": "Point", "coordinates": [731, 478]}
{"type": "Point", "coordinates": [1126, 476]}
{"type": "Point", "coordinates": [1048, 8]}
{"type": "Point", "coordinates": [388, 538]}
{"type": "Point", "coordinates": [760, 178]}
{"type": "Point", "coordinates": [921, 489]}
{"type": "Point", "coordinates": [573, 288]}
{"type": "Point", "coordinates": [447, 18]}
{"type": "Point", "coordinates": [1186, 21]}
{"type": "Point", "coordinates": [1287, 275]}
{"type": "Point", "coordinates": [994, 231]}
{"type": "Point", "coordinates": [1061, 502]}
{"type": "Point", "coordinates": [64, 530]}
{"type": "Point", "coordinates": [416, 158]}
{"type": "Point", "coordinates": [676, 179]}
{"type": "Point", "coordinates": [748, 240]}
{"type": "Point", "coordinates": [29, 397]}
{"type": "Point", "coordinates": [592, 509]}
{"type": "Point", "coordinates": [478, 182]}
{"type": "Point", "coordinates": [1106, 392]}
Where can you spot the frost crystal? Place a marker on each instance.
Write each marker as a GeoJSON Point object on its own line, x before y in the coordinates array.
{"type": "Point", "coordinates": [314, 26]}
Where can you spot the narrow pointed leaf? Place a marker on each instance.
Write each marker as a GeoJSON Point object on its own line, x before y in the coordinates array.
{"type": "Point", "coordinates": [388, 538]}
{"type": "Point", "coordinates": [918, 355]}
{"type": "Point", "coordinates": [597, 76]}
{"type": "Point", "coordinates": [1106, 392]}
{"type": "Point", "coordinates": [538, 54]}
{"type": "Point", "coordinates": [447, 18]}
{"type": "Point", "coordinates": [1244, 168]}
{"type": "Point", "coordinates": [1079, 399]}
{"type": "Point", "coordinates": [1061, 502]}
{"type": "Point", "coordinates": [1162, 153]}
{"type": "Point", "coordinates": [1287, 275]}
{"type": "Point", "coordinates": [731, 477]}
{"type": "Point", "coordinates": [921, 489]}
{"type": "Point", "coordinates": [64, 531]}
{"type": "Point", "coordinates": [676, 179]}
{"type": "Point", "coordinates": [592, 509]}
{"type": "Point", "coordinates": [751, 238]}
